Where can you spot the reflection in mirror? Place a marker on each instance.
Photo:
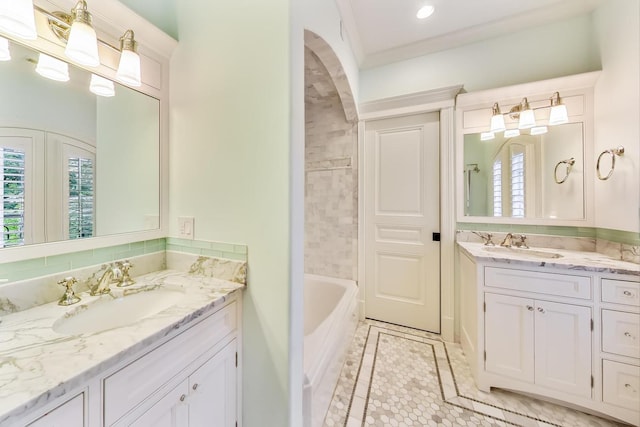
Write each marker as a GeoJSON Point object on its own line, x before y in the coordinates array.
{"type": "Point", "coordinates": [519, 177]}
{"type": "Point", "coordinates": [74, 164]}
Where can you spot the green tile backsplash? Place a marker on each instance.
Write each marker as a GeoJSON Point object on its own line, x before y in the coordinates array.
{"type": "Point", "coordinates": [214, 249]}
{"type": "Point", "coordinates": [618, 236]}
{"type": "Point", "coordinates": [21, 270]}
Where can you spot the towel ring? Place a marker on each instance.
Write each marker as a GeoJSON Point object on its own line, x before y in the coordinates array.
{"type": "Point", "coordinates": [619, 151]}
{"type": "Point", "coordinates": [569, 164]}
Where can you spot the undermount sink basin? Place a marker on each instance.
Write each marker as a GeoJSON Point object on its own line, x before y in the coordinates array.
{"type": "Point", "coordinates": [532, 253]}
{"type": "Point", "coordinates": [109, 313]}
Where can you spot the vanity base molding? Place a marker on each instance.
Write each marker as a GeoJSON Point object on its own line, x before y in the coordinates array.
{"type": "Point", "coordinates": [567, 336]}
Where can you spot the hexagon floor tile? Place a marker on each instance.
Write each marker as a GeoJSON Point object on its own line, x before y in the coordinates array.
{"type": "Point", "coordinates": [397, 376]}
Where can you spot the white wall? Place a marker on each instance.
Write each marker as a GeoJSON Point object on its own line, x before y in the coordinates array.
{"type": "Point", "coordinates": [617, 113]}
{"type": "Point", "coordinates": [229, 168]}
{"type": "Point", "coordinates": [553, 50]}
{"type": "Point", "coordinates": [323, 18]}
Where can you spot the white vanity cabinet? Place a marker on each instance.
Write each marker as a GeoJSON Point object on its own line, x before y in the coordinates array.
{"type": "Point", "coordinates": [539, 342]}
{"type": "Point", "coordinates": [564, 334]}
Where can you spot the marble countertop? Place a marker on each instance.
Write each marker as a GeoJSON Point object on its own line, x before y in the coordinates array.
{"type": "Point", "coordinates": [569, 260]}
{"type": "Point", "coordinates": [37, 364]}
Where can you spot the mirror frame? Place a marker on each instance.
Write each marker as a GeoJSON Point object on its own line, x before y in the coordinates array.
{"type": "Point", "coordinates": [111, 20]}
{"type": "Point", "coordinates": [473, 115]}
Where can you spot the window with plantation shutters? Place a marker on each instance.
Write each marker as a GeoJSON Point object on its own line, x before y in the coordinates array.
{"type": "Point", "coordinates": [497, 188]}
{"type": "Point", "coordinates": [13, 192]}
{"type": "Point", "coordinates": [81, 197]}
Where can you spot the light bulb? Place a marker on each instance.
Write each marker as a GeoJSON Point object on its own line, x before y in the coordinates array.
{"type": "Point", "coordinates": [5, 55]}
{"type": "Point", "coordinates": [82, 43]}
{"type": "Point", "coordinates": [17, 19]}
{"type": "Point", "coordinates": [101, 86]}
{"type": "Point", "coordinates": [52, 68]}
{"type": "Point", "coordinates": [527, 117]}
{"type": "Point", "coordinates": [510, 133]}
{"type": "Point", "coordinates": [129, 66]}
{"type": "Point", "coordinates": [538, 130]}
{"type": "Point", "coordinates": [425, 12]}
{"type": "Point", "coordinates": [486, 136]}
{"type": "Point", "coordinates": [497, 119]}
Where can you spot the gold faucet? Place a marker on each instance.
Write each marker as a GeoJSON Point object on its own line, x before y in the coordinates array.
{"type": "Point", "coordinates": [112, 275]}
{"type": "Point", "coordinates": [507, 240]}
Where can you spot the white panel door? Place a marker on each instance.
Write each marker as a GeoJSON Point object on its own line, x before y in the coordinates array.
{"type": "Point", "coordinates": [69, 414]}
{"type": "Point", "coordinates": [169, 411]}
{"type": "Point", "coordinates": [402, 210]}
{"type": "Point", "coordinates": [563, 347]}
{"type": "Point", "coordinates": [509, 336]}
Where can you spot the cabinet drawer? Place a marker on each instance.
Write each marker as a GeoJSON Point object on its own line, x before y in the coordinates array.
{"type": "Point", "coordinates": [564, 285]}
{"type": "Point", "coordinates": [621, 333]}
{"type": "Point", "coordinates": [621, 292]}
{"type": "Point", "coordinates": [621, 384]}
{"type": "Point", "coordinates": [135, 382]}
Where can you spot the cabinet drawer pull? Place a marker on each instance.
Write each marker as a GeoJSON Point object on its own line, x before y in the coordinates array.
{"type": "Point", "coordinates": [530, 308]}
{"type": "Point", "coordinates": [627, 293]}
{"type": "Point", "coordinates": [541, 310]}
{"type": "Point", "coordinates": [628, 335]}
{"type": "Point", "coordinates": [195, 387]}
{"type": "Point", "coordinates": [629, 386]}
{"type": "Point", "coordinates": [182, 398]}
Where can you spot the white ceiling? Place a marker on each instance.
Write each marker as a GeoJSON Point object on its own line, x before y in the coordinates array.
{"type": "Point", "coordinates": [384, 31]}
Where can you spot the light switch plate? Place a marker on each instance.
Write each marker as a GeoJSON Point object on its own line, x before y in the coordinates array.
{"type": "Point", "coordinates": [185, 227]}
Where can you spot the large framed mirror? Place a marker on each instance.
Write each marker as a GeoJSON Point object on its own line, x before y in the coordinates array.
{"type": "Point", "coordinates": [526, 176]}
{"type": "Point", "coordinates": [537, 174]}
{"type": "Point", "coordinates": [74, 165]}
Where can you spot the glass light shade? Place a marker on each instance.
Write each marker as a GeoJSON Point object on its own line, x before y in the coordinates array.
{"type": "Point", "coordinates": [129, 68]}
{"type": "Point", "coordinates": [17, 18]}
{"type": "Point", "coordinates": [5, 55]}
{"type": "Point", "coordinates": [510, 133]}
{"type": "Point", "coordinates": [558, 115]}
{"type": "Point", "coordinates": [538, 130]}
{"type": "Point", "coordinates": [52, 68]}
{"type": "Point", "coordinates": [527, 119]}
{"type": "Point", "coordinates": [425, 12]}
{"type": "Point", "coordinates": [497, 123]}
{"type": "Point", "coordinates": [486, 136]}
{"type": "Point", "coordinates": [82, 46]}
{"type": "Point", "coordinates": [101, 86]}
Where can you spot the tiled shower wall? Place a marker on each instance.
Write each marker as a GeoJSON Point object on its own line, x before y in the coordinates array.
{"type": "Point", "coordinates": [331, 174]}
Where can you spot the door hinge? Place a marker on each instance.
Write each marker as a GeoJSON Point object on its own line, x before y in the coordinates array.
{"type": "Point", "coordinates": [236, 363]}
{"type": "Point", "coordinates": [484, 307]}
{"type": "Point", "coordinates": [592, 324]}
{"type": "Point", "coordinates": [591, 381]}
{"type": "Point", "coordinates": [485, 355]}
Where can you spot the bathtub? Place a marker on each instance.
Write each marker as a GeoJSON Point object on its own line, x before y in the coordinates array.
{"type": "Point", "coordinates": [330, 320]}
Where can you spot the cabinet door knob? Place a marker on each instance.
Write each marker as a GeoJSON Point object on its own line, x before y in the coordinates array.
{"type": "Point", "coordinates": [541, 310]}
{"type": "Point", "coordinates": [628, 335]}
{"type": "Point", "coordinates": [628, 386]}
{"type": "Point", "coordinates": [530, 308]}
{"type": "Point", "coordinates": [195, 387]}
{"type": "Point", "coordinates": [627, 293]}
{"type": "Point", "coordinates": [182, 398]}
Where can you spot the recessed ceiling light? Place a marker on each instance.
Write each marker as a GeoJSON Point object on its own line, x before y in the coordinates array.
{"type": "Point", "coordinates": [425, 12]}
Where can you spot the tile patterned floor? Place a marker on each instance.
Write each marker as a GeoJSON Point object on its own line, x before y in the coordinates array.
{"type": "Point", "coordinates": [396, 376]}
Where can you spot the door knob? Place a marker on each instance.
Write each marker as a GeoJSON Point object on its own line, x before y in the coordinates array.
{"type": "Point", "coordinates": [182, 398]}
{"type": "Point", "coordinates": [195, 387]}
{"type": "Point", "coordinates": [541, 310]}
{"type": "Point", "coordinates": [530, 308]}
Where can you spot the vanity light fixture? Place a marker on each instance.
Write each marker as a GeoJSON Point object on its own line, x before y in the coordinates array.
{"type": "Point", "coordinates": [52, 68]}
{"type": "Point", "coordinates": [5, 55]}
{"type": "Point", "coordinates": [425, 11]}
{"type": "Point", "coordinates": [487, 136]}
{"type": "Point", "coordinates": [129, 66]}
{"type": "Point", "coordinates": [526, 115]}
{"type": "Point", "coordinates": [558, 114]}
{"type": "Point", "coordinates": [497, 119]}
{"type": "Point", "coordinates": [101, 86]}
{"type": "Point", "coordinates": [17, 19]}
{"type": "Point", "coordinates": [538, 130]}
{"type": "Point", "coordinates": [82, 43]}
{"type": "Point", "coordinates": [511, 133]}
